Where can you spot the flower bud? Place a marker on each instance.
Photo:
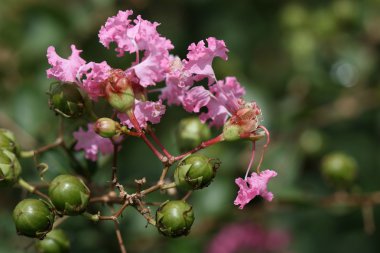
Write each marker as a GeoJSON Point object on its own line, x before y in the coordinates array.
{"type": "Point", "coordinates": [174, 218]}
{"type": "Point", "coordinates": [195, 172]}
{"type": "Point", "coordinates": [106, 127]}
{"type": "Point", "coordinates": [119, 91]}
{"type": "Point", "coordinates": [339, 169]}
{"type": "Point", "coordinates": [10, 168]}
{"type": "Point", "coordinates": [191, 133]}
{"type": "Point", "coordinates": [69, 195]}
{"type": "Point", "coordinates": [7, 141]}
{"type": "Point", "coordinates": [66, 100]}
{"type": "Point", "coordinates": [56, 241]}
{"type": "Point", "coordinates": [33, 218]}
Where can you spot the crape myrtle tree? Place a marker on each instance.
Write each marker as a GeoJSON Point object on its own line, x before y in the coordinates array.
{"type": "Point", "coordinates": [79, 85]}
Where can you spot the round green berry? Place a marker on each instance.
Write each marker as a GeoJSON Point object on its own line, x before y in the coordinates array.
{"type": "Point", "coordinates": [56, 241]}
{"type": "Point", "coordinates": [191, 133]}
{"type": "Point", "coordinates": [339, 169]}
{"type": "Point", "coordinates": [106, 127]}
{"type": "Point", "coordinates": [66, 100]}
{"type": "Point", "coordinates": [174, 218]}
{"type": "Point", "coordinates": [33, 218]}
{"type": "Point", "coordinates": [195, 172]}
{"type": "Point", "coordinates": [69, 195]}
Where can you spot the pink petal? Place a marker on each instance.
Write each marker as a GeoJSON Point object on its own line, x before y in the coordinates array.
{"type": "Point", "coordinates": [64, 70]}
{"type": "Point", "coordinates": [200, 58]}
{"type": "Point", "coordinates": [196, 98]}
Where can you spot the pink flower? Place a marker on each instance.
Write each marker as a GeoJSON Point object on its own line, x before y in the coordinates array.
{"type": "Point", "coordinates": [242, 236]}
{"type": "Point", "coordinates": [64, 70]}
{"type": "Point", "coordinates": [253, 186]}
{"type": "Point", "coordinates": [139, 35]}
{"type": "Point", "coordinates": [145, 112]}
{"type": "Point", "coordinates": [94, 75]}
{"type": "Point", "coordinates": [92, 143]}
{"type": "Point", "coordinates": [89, 76]}
{"type": "Point", "coordinates": [200, 58]}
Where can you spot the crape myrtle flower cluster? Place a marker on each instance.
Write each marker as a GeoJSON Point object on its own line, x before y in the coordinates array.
{"type": "Point", "coordinates": [80, 84]}
{"type": "Point", "coordinates": [222, 98]}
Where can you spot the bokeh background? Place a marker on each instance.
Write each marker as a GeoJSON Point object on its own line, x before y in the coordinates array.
{"type": "Point", "coordinates": [313, 67]}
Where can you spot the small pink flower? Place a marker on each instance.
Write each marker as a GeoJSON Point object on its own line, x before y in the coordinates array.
{"type": "Point", "coordinates": [94, 75]}
{"type": "Point", "coordinates": [64, 70]}
{"type": "Point", "coordinates": [145, 112]}
{"type": "Point", "coordinates": [139, 35]}
{"type": "Point", "coordinates": [92, 143]}
{"type": "Point", "coordinates": [253, 186]}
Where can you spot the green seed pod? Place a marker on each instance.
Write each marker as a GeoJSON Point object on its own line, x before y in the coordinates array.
{"type": "Point", "coordinates": [174, 218]}
{"type": "Point", "coordinates": [191, 133]}
{"type": "Point", "coordinates": [69, 195]}
{"type": "Point", "coordinates": [10, 168]}
{"type": "Point", "coordinates": [339, 169]}
{"type": "Point", "coordinates": [195, 172]}
{"type": "Point", "coordinates": [106, 127]}
{"type": "Point", "coordinates": [7, 141]}
{"type": "Point", "coordinates": [56, 241]}
{"type": "Point", "coordinates": [231, 132]}
{"type": "Point", "coordinates": [33, 218]}
{"type": "Point", "coordinates": [66, 100]}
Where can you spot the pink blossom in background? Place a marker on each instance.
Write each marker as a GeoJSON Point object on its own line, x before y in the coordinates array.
{"type": "Point", "coordinates": [253, 186]}
{"type": "Point", "coordinates": [92, 143]}
{"type": "Point", "coordinates": [238, 236]}
{"type": "Point", "coordinates": [64, 70]}
{"type": "Point", "coordinates": [145, 111]}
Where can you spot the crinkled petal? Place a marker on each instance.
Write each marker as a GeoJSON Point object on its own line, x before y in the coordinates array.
{"type": "Point", "coordinates": [196, 98]}
{"type": "Point", "coordinates": [92, 76]}
{"type": "Point", "coordinates": [64, 70]}
{"type": "Point", "coordinates": [92, 143]}
{"type": "Point", "coordinates": [200, 58]}
{"type": "Point", "coordinates": [253, 186]}
{"type": "Point", "coordinates": [116, 30]}
{"type": "Point", "coordinates": [145, 112]}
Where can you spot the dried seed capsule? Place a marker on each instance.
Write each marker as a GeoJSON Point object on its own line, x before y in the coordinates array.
{"type": "Point", "coordinates": [195, 172]}
{"type": "Point", "coordinates": [69, 195]}
{"type": "Point", "coordinates": [10, 168]}
{"type": "Point", "coordinates": [174, 218]}
{"type": "Point", "coordinates": [7, 141]}
{"type": "Point", "coordinates": [339, 169]}
{"type": "Point", "coordinates": [191, 133]}
{"type": "Point", "coordinates": [56, 241]}
{"type": "Point", "coordinates": [33, 218]}
{"type": "Point", "coordinates": [66, 100]}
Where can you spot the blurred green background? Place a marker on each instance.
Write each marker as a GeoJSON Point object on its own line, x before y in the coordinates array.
{"type": "Point", "coordinates": [313, 67]}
